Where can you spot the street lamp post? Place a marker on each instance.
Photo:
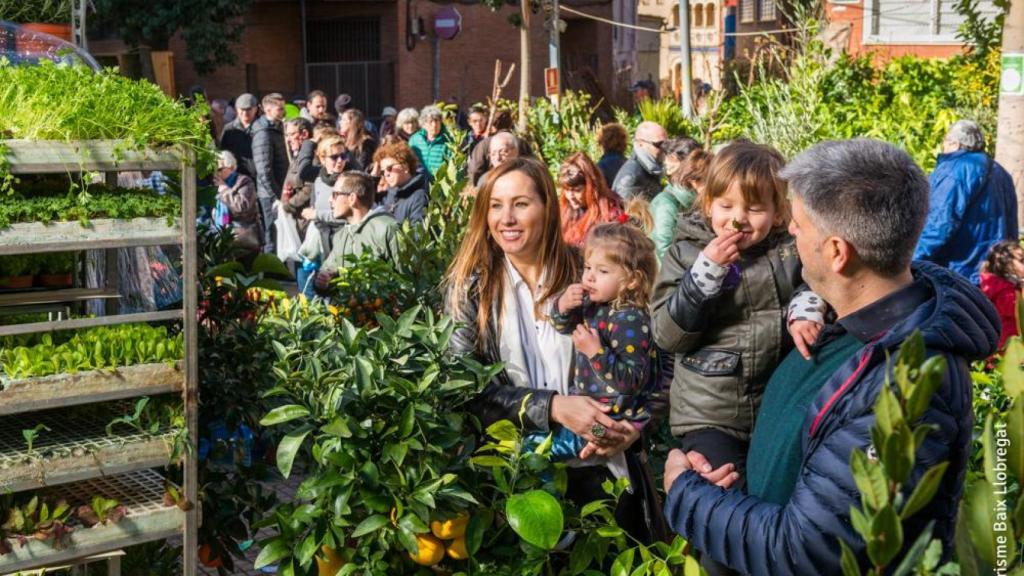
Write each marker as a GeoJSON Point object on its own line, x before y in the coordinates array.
{"type": "Point", "coordinates": [685, 63]}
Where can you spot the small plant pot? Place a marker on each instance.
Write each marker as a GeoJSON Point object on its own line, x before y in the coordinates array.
{"type": "Point", "coordinates": [15, 282]}
{"type": "Point", "coordinates": [54, 280]}
{"type": "Point", "coordinates": [62, 31]}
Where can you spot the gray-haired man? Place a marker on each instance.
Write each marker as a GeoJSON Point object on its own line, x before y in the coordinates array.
{"type": "Point", "coordinates": [973, 204]}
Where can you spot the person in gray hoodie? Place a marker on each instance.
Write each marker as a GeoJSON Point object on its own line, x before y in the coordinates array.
{"type": "Point", "coordinates": [370, 228]}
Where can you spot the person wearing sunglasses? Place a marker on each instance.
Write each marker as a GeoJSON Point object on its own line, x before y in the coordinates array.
{"type": "Point", "coordinates": [641, 175]}
{"type": "Point", "coordinates": [370, 228]}
{"type": "Point", "coordinates": [333, 158]}
{"type": "Point", "coordinates": [405, 185]}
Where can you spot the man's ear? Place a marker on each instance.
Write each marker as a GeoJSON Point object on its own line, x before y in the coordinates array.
{"type": "Point", "coordinates": [839, 254]}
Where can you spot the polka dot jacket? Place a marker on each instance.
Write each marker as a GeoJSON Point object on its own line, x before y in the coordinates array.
{"type": "Point", "coordinates": [618, 373]}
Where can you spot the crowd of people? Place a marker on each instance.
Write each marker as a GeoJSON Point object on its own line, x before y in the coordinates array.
{"type": "Point", "coordinates": [765, 297]}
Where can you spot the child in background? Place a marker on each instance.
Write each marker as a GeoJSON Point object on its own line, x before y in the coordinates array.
{"type": "Point", "coordinates": [607, 316]}
{"type": "Point", "coordinates": [1002, 274]}
{"type": "Point", "coordinates": [721, 302]}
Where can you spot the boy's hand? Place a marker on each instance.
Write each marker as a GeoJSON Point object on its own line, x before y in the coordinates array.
{"type": "Point", "coordinates": [586, 340]}
{"type": "Point", "coordinates": [804, 333]}
{"type": "Point", "coordinates": [572, 298]}
{"type": "Point", "coordinates": [723, 250]}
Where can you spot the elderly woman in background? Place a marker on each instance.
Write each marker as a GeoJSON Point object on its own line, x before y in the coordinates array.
{"type": "Point", "coordinates": [407, 123]}
{"type": "Point", "coordinates": [585, 199]}
{"type": "Point", "coordinates": [359, 143]}
{"type": "Point", "coordinates": [431, 142]}
{"type": "Point", "coordinates": [237, 194]}
{"type": "Point", "coordinates": [684, 185]}
{"type": "Point", "coordinates": [613, 139]}
{"type": "Point", "coordinates": [405, 192]}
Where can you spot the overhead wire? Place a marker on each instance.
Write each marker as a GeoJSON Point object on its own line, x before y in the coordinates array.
{"type": "Point", "coordinates": [668, 30]}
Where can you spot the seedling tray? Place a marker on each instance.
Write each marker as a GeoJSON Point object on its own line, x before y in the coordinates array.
{"type": "Point", "coordinates": [75, 449]}
{"type": "Point", "coordinates": [148, 519]}
{"type": "Point", "coordinates": [37, 237]}
{"type": "Point", "coordinates": [58, 390]}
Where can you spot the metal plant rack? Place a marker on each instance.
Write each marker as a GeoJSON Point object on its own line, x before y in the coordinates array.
{"type": "Point", "coordinates": [149, 518]}
{"type": "Point", "coordinates": [77, 459]}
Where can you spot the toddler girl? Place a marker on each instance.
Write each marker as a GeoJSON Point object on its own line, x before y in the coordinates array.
{"type": "Point", "coordinates": [721, 302]}
{"type": "Point", "coordinates": [607, 315]}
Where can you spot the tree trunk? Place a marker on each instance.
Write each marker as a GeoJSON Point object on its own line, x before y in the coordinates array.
{"type": "Point", "coordinates": [1010, 138]}
{"type": "Point", "coordinates": [524, 65]}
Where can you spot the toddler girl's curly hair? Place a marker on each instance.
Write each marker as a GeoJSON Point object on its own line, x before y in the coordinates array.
{"type": "Point", "coordinates": [627, 246]}
{"type": "Point", "coordinates": [1001, 258]}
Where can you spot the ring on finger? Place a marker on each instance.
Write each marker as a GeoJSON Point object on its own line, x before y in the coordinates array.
{"type": "Point", "coordinates": [598, 430]}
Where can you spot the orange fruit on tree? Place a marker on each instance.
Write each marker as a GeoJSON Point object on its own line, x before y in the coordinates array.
{"type": "Point", "coordinates": [329, 563]}
{"type": "Point", "coordinates": [431, 550]}
{"type": "Point", "coordinates": [457, 549]}
{"type": "Point", "coordinates": [451, 528]}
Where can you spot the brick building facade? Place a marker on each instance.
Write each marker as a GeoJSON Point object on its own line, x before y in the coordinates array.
{"type": "Point", "coordinates": [367, 48]}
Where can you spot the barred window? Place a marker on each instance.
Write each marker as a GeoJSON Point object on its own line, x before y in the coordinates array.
{"type": "Point", "coordinates": [767, 10]}
{"type": "Point", "coordinates": [746, 10]}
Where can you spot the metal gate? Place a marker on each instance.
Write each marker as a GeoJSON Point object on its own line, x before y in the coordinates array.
{"type": "Point", "coordinates": [343, 56]}
{"type": "Point", "coordinates": [370, 84]}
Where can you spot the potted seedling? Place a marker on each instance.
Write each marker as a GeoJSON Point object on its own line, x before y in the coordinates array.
{"type": "Point", "coordinates": [101, 511]}
{"type": "Point", "coordinates": [16, 272]}
{"type": "Point", "coordinates": [35, 520]}
{"type": "Point", "coordinates": [55, 270]}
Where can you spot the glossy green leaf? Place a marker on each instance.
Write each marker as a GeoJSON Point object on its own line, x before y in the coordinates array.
{"type": "Point", "coordinates": [503, 431]}
{"type": "Point", "coordinates": [925, 490]}
{"type": "Point", "coordinates": [886, 537]}
{"type": "Point", "coordinates": [848, 561]}
{"type": "Point", "coordinates": [370, 524]}
{"type": "Point", "coordinates": [1015, 430]}
{"type": "Point", "coordinates": [870, 480]}
{"type": "Point", "coordinates": [536, 517]}
{"type": "Point", "coordinates": [283, 414]}
{"type": "Point", "coordinates": [272, 552]}
{"type": "Point", "coordinates": [1012, 367]}
{"type": "Point", "coordinates": [289, 447]}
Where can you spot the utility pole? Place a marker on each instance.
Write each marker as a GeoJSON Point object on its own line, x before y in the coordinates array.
{"type": "Point", "coordinates": [78, 12]}
{"type": "Point", "coordinates": [685, 63]}
{"type": "Point", "coordinates": [524, 66]}
{"type": "Point", "coordinates": [554, 47]}
{"type": "Point", "coordinates": [1010, 131]}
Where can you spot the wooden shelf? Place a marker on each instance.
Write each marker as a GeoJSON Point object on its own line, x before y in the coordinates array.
{"type": "Point", "coordinates": [37, 297]}
{"type": "Point", "coordinates": [76, 449]}
{"type": "Point", "coordinates": [36, 237]}
{"type": "Point", "coordinates": [42, 157]}
{"type": "Point", "coordinates": [93, 453]}
{"type": "Point", "coordinates": [34, 327]}
{"type": "Point", "coordinates": [148, 519]}
{"type": "Point", "coordinates": [58, 390]}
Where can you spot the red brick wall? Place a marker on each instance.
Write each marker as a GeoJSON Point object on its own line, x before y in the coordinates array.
{"type": "Point", "coordinates": [272, 40]}
{"type": "Point", "coordinates": [467, 62]}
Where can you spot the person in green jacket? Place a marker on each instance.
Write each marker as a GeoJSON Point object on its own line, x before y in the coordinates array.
{"type": "Point", "coordinates": [685, 182]}
{"type": "Point", "coordinates": [430, 143]}
{"type": "Point", "coordinates": [369, 229]}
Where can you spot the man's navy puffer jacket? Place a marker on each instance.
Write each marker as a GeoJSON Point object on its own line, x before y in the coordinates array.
{"type": "Point", "coordinates": [802, 537]}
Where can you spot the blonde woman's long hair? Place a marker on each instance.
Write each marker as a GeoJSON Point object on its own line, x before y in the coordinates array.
{"type": "Point", "coordinates": [480, 256]}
